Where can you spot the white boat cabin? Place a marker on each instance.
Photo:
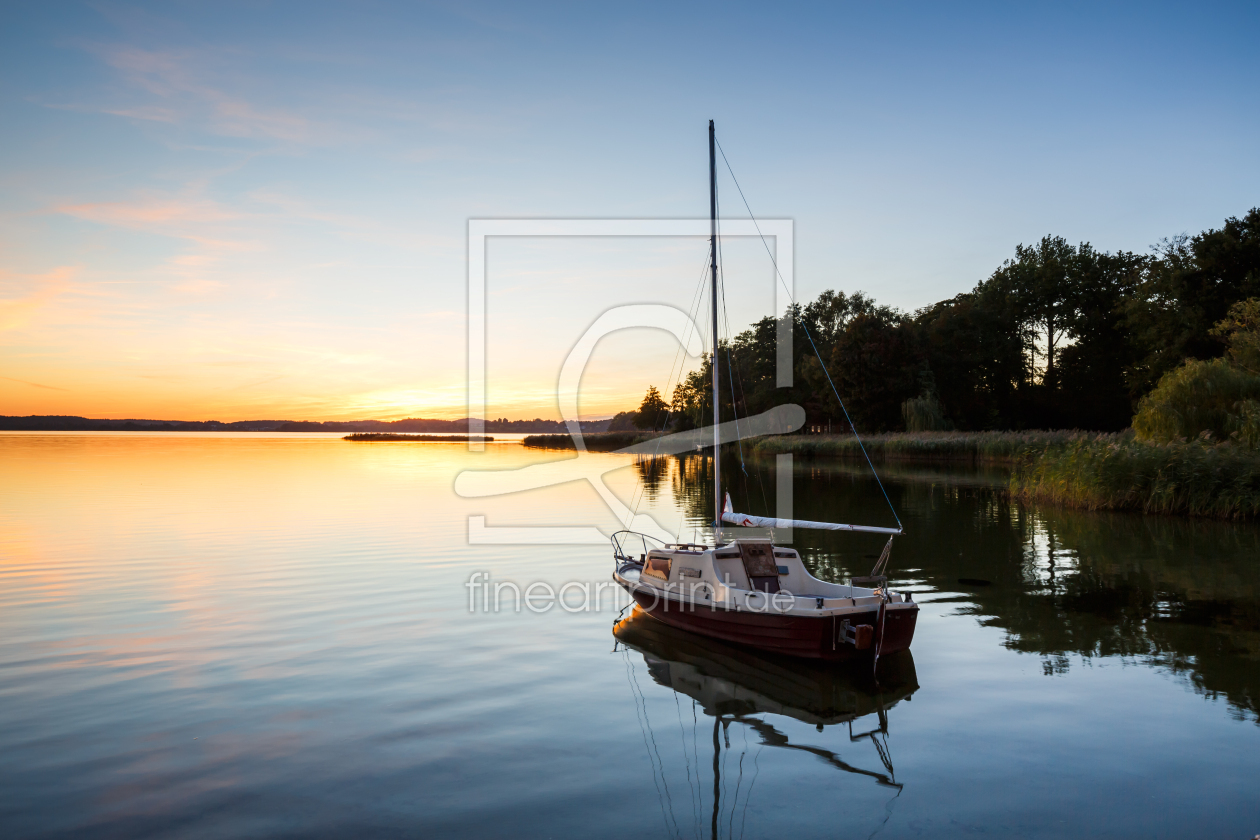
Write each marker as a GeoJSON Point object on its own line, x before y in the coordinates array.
{"type": "Point", "coordinates": [748, 574]}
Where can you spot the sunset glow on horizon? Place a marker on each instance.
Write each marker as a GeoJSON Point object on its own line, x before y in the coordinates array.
{"type": "Point", "coordinates": [239, 212]}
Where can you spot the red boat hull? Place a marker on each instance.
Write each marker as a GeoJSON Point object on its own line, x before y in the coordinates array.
{"type": "Point", "coordinates": [809, 638]}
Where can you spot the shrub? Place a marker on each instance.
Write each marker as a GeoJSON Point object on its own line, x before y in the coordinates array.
{"type": "Point", "coordinates": [1198, 397]}
{"type": "Point", "coordinates": [1241, 329]}
{"type": "Point", "coordinates": [624, 421]}
{"type": "Point", "coordinates": [1248, 432]}
{"type": "Point", "coordinates": [924, 414]}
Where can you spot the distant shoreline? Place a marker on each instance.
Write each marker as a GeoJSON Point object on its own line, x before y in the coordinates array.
{"type": "Point", "coordinates": [67, 423]}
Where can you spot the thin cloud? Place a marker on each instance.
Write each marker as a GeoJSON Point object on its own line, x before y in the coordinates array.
{"type": "Point", "coordinates": [177, 80]}
{"type": "Point", "coordinates": [206, 223]}
{"type": "Point", "coordinates": [16, 312]}
{"type": "Point", "coordinates": [150, 214]}
{"type": "Point", "coordinates": [35, 384]}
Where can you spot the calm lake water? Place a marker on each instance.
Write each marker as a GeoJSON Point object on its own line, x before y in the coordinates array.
{"type": "Point", "coordinates": [248, 636]}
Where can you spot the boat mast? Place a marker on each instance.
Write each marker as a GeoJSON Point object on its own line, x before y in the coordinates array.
{"type": "Point", "coordinates": [717, 461]}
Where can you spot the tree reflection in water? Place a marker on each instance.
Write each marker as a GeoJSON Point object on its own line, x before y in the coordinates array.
{"type": "Point", "coordinates": [1178, 594]}
{"type": "Point", "coordinates": [652, 472]}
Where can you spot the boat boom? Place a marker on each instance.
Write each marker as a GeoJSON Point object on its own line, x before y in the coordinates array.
{"type": "Point", "coordinates": [770, 522]}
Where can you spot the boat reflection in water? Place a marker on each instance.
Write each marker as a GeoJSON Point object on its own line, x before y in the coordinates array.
{"type": "Point", "coordinates": [734, 684]}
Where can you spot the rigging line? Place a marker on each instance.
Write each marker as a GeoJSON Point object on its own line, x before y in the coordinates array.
{"type": "Point", "coordinates": [693, 313]}
{"type": "Point", "coordinates": [888, 812]}
{"type": "Point", "coordinates": [730, 823]}
{"type": "Point", "coordinates": [657, 751]}
{"type": "Point", "coordinates": [695, 754]}
{"type": "Point", "coordinates": [884, 757]}
{"type": "Point", "coordinates": [730, 368]}
{"type": "Point", "coordinates": [714, 373]}
{"type": "Point", "coordinates": [706, 411]}
{"type": "Point", "coordinates": [721, 281]}
{"type": "Point", "coordinates": [717, 774]}
{"type": "Point", "coordinates": [736, 373]}
{"type": "Point", "coordinates": [680, 352]}
{"type": "Point", "coordinates": [726, 742]}
{"type": "Point", "coordinates": [691, 786]}
{"type": "Point", "coordinates": [805, 329]}
{"type": "Point", "coordinates": [726, 319]}
{"type": "Point", "coordinates": [730, 364]}
{"type": "Point", "coordinates": [679, 357]}
{"type": "Point", "coordinates": [743, 821]}
{"type": "Point", "coordinates": [734, 369]}
{"type": "Point", "coordinates": [637, 695]}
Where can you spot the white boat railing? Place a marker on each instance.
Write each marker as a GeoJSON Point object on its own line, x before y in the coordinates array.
{"type": "Point", "coordinates": [620, 537]}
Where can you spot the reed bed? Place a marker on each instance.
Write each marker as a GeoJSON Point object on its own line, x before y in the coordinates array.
{"type": "Point", "coordinates": [1068, 468]}
{"type": "Point", "coordinates": [1117, 472]}
{"type": "Point", "coordinates": [1072, 468]}
{"type": "Point", "coordinates": [597, 442]}
{"type": "Point", "coordinates": [378, 436]}
{"type": "Point", "coordinates": [968, 447]}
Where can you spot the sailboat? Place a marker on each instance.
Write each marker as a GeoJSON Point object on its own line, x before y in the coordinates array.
{"type": "Point", "coordinates": [750, 591]}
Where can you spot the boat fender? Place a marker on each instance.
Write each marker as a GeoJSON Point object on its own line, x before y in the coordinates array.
{"type": "Point", "coordinates": [860, 636]}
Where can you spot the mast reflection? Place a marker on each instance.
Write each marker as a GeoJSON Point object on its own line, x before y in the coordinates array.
{"type": "Point", "coordinates": [736, 685]}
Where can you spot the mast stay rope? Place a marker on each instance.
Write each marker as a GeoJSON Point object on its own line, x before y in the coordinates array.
{"type": "Point", "coordinates": [731, 367]}
{"type": "Point", "coordinates": [805, 329]}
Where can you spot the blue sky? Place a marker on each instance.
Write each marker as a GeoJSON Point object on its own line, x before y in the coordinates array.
{"type": "Point", "coordinates": [259, 210]}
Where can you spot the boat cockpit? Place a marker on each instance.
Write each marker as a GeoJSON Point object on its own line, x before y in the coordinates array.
{"type": "Point", "coordinates": [745, 573]}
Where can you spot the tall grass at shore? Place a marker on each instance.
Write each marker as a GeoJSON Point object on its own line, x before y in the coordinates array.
{"type": "Point", "coordinates": [1072, 468]}
{"type": "Point", "coordinates": [1068, 468]}
{"type": "Point", "coordinates": [596, 442]}
{"type": "Point", "coordinates": [970, 447]}
{"type": "Point", "coordinates": [1118, 472]}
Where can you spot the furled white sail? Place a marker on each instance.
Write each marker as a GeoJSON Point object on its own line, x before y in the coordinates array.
{"type": "Point", "coordinates": [728, 515]}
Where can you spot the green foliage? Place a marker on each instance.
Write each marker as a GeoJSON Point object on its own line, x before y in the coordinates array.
{"type": "Point", "coordinates": [832, 312]}
{"type": "Point", "coordinates": [1117, 472]}
{"type": "Point", "coordinates": [1063, 305]}
{"type": "Point", "coordinates": [652, 412]}
{"type": "Point", "coordinates": [1042, 284]}
{"type": "Point", "coordinates": [1188, 288]}
{"type": "Point", "coordinates": [690, 405]}
{"type": "Point", "coordinates": [1197, 399]}
{"type": "Point", "coordinates": [1059, 336]}
{"type": "Point", "coordinates": [923, 414]}
{"type": "Point", "coordinates": [874, 365]}
{"type": "Point", "coordinates": [1247, 425]}
{"type": "Point", "coordinates": [1076, 469]}
{"type": "Point", "coordinates": [623, 421]}
{"type": "Point", "coordinates": [977, 359]}
{"type": "Point", "coordinates": [1241, 330]}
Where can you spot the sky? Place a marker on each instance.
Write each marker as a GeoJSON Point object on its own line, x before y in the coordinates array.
{"type": "Point", "coordinates": [260, 210]}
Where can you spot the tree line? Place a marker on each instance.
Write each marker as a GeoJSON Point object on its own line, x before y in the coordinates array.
{"type": "Point", "coordinates": [1058, 336]}
{"type": "Point", "coordinates": [410, 424]}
